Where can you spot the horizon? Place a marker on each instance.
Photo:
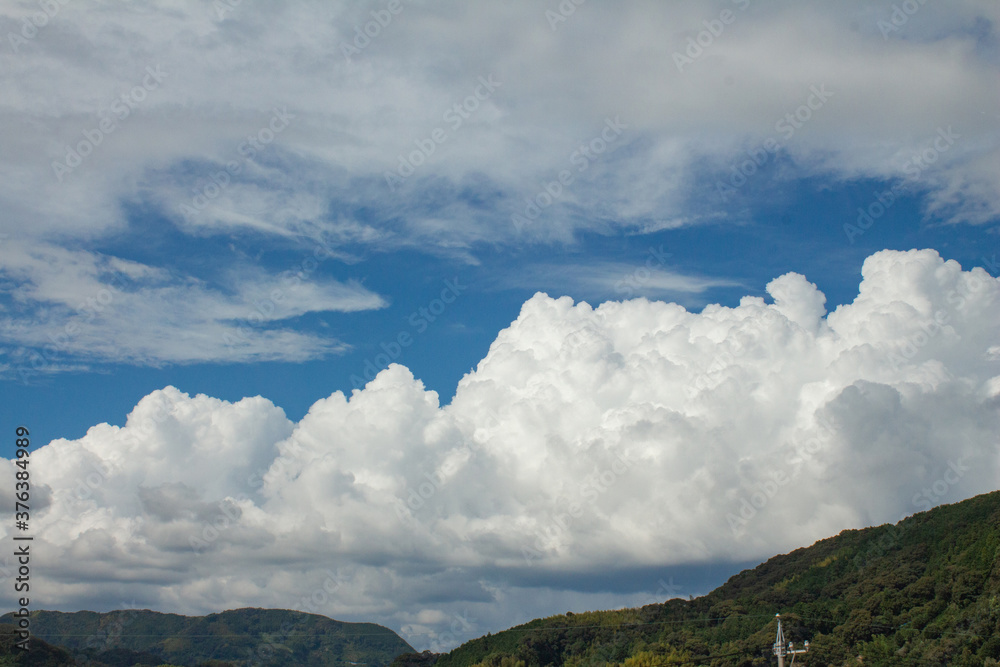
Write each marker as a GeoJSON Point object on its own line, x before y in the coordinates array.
{"type": "Point", "coordinates": [308, 612]}
{"type": "Point", "coordinates": [465, 316]}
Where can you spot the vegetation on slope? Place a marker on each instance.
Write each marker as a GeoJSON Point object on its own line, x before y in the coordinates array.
{"type": "Point", "coordinates": [259, 636]}
{"type": "Point", "coordinates": [923, 592]}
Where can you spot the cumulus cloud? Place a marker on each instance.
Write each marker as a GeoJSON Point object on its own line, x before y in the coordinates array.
{"type": "Point", "coordinates": [631, 437]}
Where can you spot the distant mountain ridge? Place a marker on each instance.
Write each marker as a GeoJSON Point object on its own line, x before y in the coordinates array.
{"type": "Point", "coordinates": [925, 591]}
{"type": "Point", "coordinates": [240, 636]}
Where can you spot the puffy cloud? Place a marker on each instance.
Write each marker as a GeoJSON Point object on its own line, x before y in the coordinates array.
{"type": "Point", "coordinates": [634, 438]}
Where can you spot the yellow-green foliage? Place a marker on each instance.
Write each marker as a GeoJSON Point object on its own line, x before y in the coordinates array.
{"type": "Point", "coordinates": [650, 659]}
{"type": "Point", "coordinates": [604, 619]}
{"type": "Point", "coordinates": [501, 662]}
{"type": "Point", "coordinates": [176, 644]}
{"type": "Point", "coordinates": [783, 584]}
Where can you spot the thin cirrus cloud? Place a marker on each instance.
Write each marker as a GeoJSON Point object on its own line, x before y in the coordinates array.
{"type": "Point", "coordinates": [618, 280]}
{"type": "Point", "coordinates": [346, 121]}
{"type": "Point", "coordinates": [116, 112]}
{"type": "Point", "coordinates": [80, 307]}
{"type": "Point", "coordinates": [634, 434]}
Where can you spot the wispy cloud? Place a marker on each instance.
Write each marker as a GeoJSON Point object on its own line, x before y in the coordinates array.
{"type": "Point", "coordinates": [616, 280]}
{"type": "Point", "coordinates": [73, 308]}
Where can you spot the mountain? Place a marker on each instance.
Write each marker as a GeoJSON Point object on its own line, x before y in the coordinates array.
{"type": "Point", "coordinates": [925, 591]}
{"type": "Point", "coordinates": [258, 636]}
{"type": "Point", "coordinates": [41, 653]}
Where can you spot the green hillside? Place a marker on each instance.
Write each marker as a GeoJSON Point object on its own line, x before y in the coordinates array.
{"type": "Point", "coordinates": [923, 592]}
{"type": "Point", "coordinates": [258, 636]}
{"type": "Point", "coordinates": [42, 654]}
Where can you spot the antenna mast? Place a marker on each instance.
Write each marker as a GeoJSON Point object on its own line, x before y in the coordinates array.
{"type": "Point", "coordinates": [781, 649]}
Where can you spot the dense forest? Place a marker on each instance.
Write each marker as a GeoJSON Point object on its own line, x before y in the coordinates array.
{"type": "Point", "coordinates": [921, 592]}
{"type": "Point", "coordinates": [925, 591]}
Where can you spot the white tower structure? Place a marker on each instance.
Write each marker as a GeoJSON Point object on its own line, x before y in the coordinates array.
{"type": "Point", "coordinates": [781, 649]}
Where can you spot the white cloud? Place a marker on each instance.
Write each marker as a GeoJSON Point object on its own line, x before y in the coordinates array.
{"type": "Point", "coordinates": [631, 437]}
{"type": "Point", "coordinates": [352, 119]}
{"type": "Point", "coordinates": [72, 308]}
{"type": "Point", "coordinates": [651, 277]}
{"type": "Point", "coordinates": [256, 123]}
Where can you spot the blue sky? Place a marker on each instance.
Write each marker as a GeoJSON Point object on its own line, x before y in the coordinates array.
{"type": "Point", "coordinates": [803, 232]}
{"type": "Point", "coordinates": [776, 224]}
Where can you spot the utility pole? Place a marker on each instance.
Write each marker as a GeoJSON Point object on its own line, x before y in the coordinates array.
{"type": "Point", "coordinates": [781, 649]}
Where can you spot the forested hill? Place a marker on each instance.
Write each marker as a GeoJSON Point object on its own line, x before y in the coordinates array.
{"type": "Point", "coordinates": [923, 592]}
{"type": "Point", "coordinates": [237, 637]}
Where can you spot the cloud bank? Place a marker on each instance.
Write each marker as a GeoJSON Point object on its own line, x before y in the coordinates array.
{"type": "Point", "coordinates": [281, 124]}
{"type": "Point", "coordinates": [633, 436]}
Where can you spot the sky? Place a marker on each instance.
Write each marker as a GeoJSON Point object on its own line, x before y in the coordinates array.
{"type": "Point", "coordinates": [447, 316]}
